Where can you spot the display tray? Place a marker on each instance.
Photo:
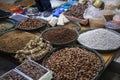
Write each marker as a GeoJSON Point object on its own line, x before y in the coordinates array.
{"type": "Point", "coordinates": [102, 67]}
{"type": "Point", "coordinates": [34, 28]}
{"type": "Point", "coordinates": [108, 50]}
{"type": "Point", "coordinates": [7, 63]}
{"type": "Point", "coordinates": [10, 24]}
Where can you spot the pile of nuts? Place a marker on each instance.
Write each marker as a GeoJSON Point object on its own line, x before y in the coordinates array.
{"type": "Point", "coordinates": [32, 70]}
{"type": "Point", "coordinates": [31, 24]}
{"type": "Point", "coordinates": [34, 49]}
{"type": "Point", "coordinates": [77, 11]}
{"type": "Point", "coordinates": [73, 63]}
{"type": "Point", "coordinates": [12, 75]}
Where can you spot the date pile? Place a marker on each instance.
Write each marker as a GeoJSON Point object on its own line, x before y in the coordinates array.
{"type": "Point", "coordinates": [35, 49]}
{"type": "Point", "coordinates": [31, 23]}
{"type": "Point", "coordinates": [73, 63]}
{"type": "Point", "coordinates": [77, 11]}
{"type": "Point", "coordinates": [32, 70]}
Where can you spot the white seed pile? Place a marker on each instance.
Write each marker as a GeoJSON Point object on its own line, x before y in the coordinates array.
{"type": "Point", "coordinates": [100, 39]}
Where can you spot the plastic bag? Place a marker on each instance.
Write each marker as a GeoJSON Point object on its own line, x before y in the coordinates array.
{"type": "Point", "coordinates": [116, 18]}
{"type": "Point", "coordinates": [90, 12]}
{"type": "Point", "coordinates": [112, 4]}
{"type": "Point", "coordinates": [96, 19]}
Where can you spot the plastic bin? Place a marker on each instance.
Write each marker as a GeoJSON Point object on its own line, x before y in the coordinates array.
{"type": "Point", "coordinates": [47, 74]}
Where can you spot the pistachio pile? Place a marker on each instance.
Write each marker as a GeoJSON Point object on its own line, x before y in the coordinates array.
{"type": "Point", "coordinates": [34, 49]}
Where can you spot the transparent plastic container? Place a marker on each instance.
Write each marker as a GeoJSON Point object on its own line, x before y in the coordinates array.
{"type": "Point", "coordinates": [13, 74]}
{"type": "Point", "coordinates": [30, 68]}
{"type": "Point", "coordinates": [26, 71]}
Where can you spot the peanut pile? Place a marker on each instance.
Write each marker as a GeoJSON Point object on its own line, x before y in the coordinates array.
{"type": "Point", "coordinates": [73, 63]}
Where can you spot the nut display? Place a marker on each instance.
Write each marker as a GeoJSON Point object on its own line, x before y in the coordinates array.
{"type": "Point", "coordinates": [77, 11]}
{"type": "Point", "coordinates": [73, 63]}
{"type": "Point", "coordinates": [31, 24]}
{"type": "Point", "coordinates": [34, 49]}
{"type": "Point", "coordinates": [32, 70]}
{"type": "Point", "coordinates": [60, 35]}
{"type": "Point", "coordinates": [12, 75]}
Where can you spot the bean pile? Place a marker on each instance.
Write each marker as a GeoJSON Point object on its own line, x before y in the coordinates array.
{"type": "Point", "coordinates": [15, 40]}
{"type": "Point", "coordinates": [77, 11]}
{"type": "Point", "coordinates": [35, 49]}
{"type": "Point", "coordinates": [32, 70]}
{"type": "Point", "coordinates": [60, 35]}
{"type": "Point", "coordinates": [31, 23]}
{"type": "Point", "coordinates": [12, 76]}
{"type": "Point", "coordinates": [73, 63]}
{"type": "Point", "coordinates": [100, 39]}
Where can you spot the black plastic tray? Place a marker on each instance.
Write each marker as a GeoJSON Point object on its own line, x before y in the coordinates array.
{"type": "Point", "coordinates": [89, 29]}
{"type": "Point", "coordinates": [94, 51]}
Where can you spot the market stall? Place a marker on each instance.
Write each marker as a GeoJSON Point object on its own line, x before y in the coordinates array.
{"type": "Point", "coordinates": [76, 41]}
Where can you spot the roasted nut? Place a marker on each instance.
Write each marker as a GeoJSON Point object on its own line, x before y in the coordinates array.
{"type": "Point", "coordinates": [73, 63]}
